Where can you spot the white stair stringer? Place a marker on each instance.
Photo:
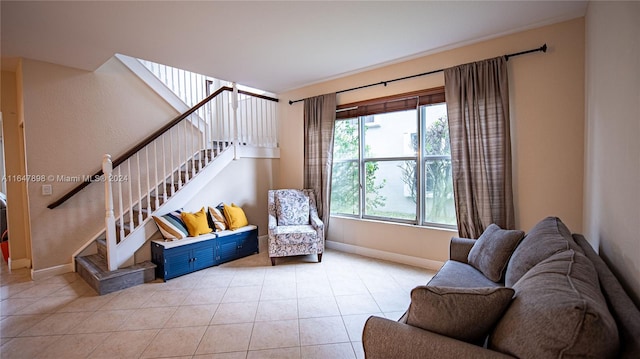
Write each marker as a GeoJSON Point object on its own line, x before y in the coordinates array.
{"type": "Point", "coordinates": [125, 250]}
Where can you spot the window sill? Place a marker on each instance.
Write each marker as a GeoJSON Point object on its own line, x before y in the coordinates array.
{"type": "Point", "coordinates": [429, 227]}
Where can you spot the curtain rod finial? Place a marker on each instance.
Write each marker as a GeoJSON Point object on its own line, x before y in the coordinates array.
{"type": "Point", "coordinates": [544, 48]}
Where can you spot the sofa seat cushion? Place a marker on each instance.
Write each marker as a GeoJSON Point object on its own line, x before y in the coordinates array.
{"type": "Point", "coordinates": [462, 275]}
{"type": "Point", "coordinates": [466, 314]}
{"type": "Point", "coordinates": [558, 311]}
{"type": "Point", "coordinates": [295, 249]}
{"type": "Point", "coordinates": [491, 252]}
{"type": "Point", "coordinates": [295, 234]}
{"type": "Point", "coordinates": [545, 239]}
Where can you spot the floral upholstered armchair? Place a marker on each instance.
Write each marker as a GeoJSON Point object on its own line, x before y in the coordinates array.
{"type": "Point", "coordinates": [294, 225]}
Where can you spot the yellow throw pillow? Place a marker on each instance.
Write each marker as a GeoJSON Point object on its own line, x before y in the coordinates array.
{"type": "Point", "coordinates": [197, 223]}
{"type": "Point", "coordinates": [235, 216]}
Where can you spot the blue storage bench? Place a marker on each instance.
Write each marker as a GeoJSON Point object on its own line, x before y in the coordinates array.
{"type": "Point", "coordinates": [176, 258]}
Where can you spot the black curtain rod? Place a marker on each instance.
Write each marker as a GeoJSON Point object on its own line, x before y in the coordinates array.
{"type": "Point", "coordinates": [542, 48]}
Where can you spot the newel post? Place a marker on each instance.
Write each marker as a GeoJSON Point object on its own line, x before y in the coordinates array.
{"type": "Point", "coordinates": [109, 219]}
{"type": "Point", "coordinates": [234, 104]}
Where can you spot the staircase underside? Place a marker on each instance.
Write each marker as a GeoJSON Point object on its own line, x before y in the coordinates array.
{"type": "Point", "coordinates": [94, 271]}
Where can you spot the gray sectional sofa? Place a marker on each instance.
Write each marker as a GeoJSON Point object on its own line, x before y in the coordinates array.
{"type": "Point", "coordinates": [543, 295]}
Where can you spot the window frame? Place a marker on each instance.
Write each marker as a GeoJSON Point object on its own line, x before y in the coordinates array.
{"type": "Point", "coordinates": [406, 101]}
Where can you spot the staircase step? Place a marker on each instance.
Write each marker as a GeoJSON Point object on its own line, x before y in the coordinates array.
{"type": "Point", "coordinates": [181, 176]}
{"type": "Point", "coordinates": [126, 226]}
{"type": "Point", "coordinates": [146, 212]}
{"type": "Point", "coordinates": [152, 198]}
{"type": "Point", "coordinates": [93, 269]}
{"type": "Point", "coordinates": [136, 216]}
{"type": "Point", "coordinates": [176, 186]}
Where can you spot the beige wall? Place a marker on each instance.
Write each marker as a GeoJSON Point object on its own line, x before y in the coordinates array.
{"type": "Point", "coordinates": [547, 115]}
{"type": "Point", "coordinates": [72, 118]}
{"type": "Point", "coordinates": [612, 190]}
{"type": "Point", "coordinates": [244, 182]}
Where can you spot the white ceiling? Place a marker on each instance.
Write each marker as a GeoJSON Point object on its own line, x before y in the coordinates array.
{"type": "Point", "coordinates": [274, 46]}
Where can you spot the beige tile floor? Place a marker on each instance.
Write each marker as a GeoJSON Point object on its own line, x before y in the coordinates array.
{"type": "Point", "coordinates": [242, 309]}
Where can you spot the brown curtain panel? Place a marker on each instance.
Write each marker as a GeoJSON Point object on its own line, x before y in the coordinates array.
{"type": "Point", "coordinates": [319, 119]}
{"type": "Point", "coordinates": [478, 110]}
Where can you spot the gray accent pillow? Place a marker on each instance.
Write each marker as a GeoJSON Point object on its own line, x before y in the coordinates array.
{"type": "Point", "coordinates": [558, 312]}
{"type": "Point", "coordinates": [466, 314]}
{"type": "Point", "coordinates": [491, 252]}
{"type": "Point", "coordinates": [545, 239]}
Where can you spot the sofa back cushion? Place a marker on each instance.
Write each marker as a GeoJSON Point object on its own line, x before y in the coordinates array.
{"type": "Point", "coordinates": [558, 311]}
{"type": "Point", "coordinates": [622, 308]}
{"type": "Point", "coordinates": [292, 207]}
{"type": "Point", "coordinates": [491, 252]}
{"type": "Point", "coordinates": [546, 238]}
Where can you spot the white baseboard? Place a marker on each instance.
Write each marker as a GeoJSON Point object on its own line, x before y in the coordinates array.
{"type": "Point", "coordinates": [51, 271]}
{"type": "Point", "coordinates": [392, 257]}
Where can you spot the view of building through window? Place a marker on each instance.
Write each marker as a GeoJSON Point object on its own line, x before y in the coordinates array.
{"type": "Point", "coordinates": [397, 164]}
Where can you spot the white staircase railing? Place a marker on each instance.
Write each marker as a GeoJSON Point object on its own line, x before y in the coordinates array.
{"type": "Point", "coordinates": [259, 130]}
{"type": "Point", "coordinates": [189, 86]}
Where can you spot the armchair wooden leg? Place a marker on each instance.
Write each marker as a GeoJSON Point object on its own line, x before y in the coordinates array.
{"type": "Point", "coordinates": [319, 257]}
{"type": "Point", "coordinates": [273, 261]}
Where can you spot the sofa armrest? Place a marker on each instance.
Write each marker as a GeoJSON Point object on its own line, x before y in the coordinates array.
{"type": "Point", "coordinates": [383, 338]}
{"type": "Point", "coordinates": [315, 220]}
{"type": "Point", "coordinates": [459, 248]}
{"type": "Point", "coordinates": [273, 222]}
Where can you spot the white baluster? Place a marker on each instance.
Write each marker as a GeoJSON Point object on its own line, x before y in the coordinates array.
{"type": "Point", "coordinates": [209, 135]}
{"type": "Point", "coordinates": [194, 142]}
{"type": "Point", "coordinates": [147, 190]}
{"type": "Point", "coordinates": [181, 85]}
{"type": "Point", "coordinates": [130, 195]}
{"type": "Point", "coordinates": [179, 157]}
{"type": "Point", "coordinates": [139, 199]}
{"type": "Point", "coordinates": [120, 204]}
{"type": "Point", "coordinates": [155, 166]}
{"type": "Point", "coordinates": [227, 118]}
{"type": "Point", "coordinates": [109, 220]}
{"type": "Point", "coordinates": [263, 113]}
{"type": "Point", "coordinates": [267, 125]}
{"type": "Point", "coordinates": [164, 171]}
{"type": "Point", "coordinates": [186, 152]}
{"type": "Point", "coordinates": [234, 103]}
{"type": "Point", "coordinates": [257, 115]}
{"type": "Point", "coordinates": [244, 120]}
{"type": "Point", "coordinates": [203, 139]}
{"type": "Point", "coordinates": [252, 121]}
{"type": "Point", "coordinates": [274, 125]}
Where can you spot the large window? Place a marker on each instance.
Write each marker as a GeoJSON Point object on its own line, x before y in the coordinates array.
{"type": "Point", "coordinates": [392, 161]}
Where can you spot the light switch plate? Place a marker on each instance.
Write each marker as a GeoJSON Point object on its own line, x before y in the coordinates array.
{"type": "Point", "coordinates": [47, 190]}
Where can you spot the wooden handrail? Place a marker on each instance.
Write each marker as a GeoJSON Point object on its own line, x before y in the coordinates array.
{"type": "Point", "coordinates": [152, 138]}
